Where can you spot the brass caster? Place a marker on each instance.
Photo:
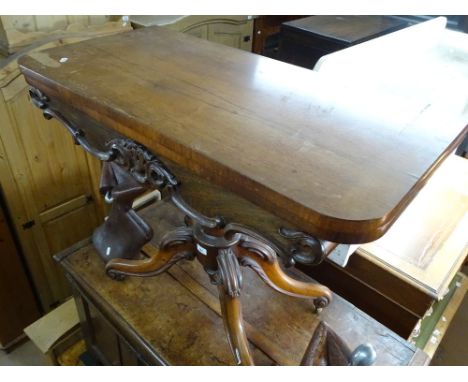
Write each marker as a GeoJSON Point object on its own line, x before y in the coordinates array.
{"type": "Point", "coordinates": [115, 276]}
{"type": "Point", "coordinates": [320, 303]}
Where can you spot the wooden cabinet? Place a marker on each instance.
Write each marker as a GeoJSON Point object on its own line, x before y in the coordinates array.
{"type": "Point", "coordinates": [49, 192]}
{"type": "Point", "coordinates": [49, 183]}
{"type": "Point", "coordinates": [235, 31]}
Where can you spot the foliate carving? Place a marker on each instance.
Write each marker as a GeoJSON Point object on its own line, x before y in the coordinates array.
{"type": "Point", "coordinates": [230, 275]}
{"type": "Point", "coordinates": [144, 166]}
{"type": "Point", "coordinates": [136, 159]}
{"type": "Point", "coordinates": [304, 249]}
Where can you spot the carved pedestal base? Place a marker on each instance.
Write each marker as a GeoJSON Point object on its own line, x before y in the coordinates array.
{"type": "Point", "coordinates": [222, 252]}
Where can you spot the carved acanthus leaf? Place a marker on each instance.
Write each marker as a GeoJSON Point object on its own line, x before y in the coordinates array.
{"type": "Point", "coordinates": [144, 166]}
{"type": "Point", "coordinates": [229, 272]}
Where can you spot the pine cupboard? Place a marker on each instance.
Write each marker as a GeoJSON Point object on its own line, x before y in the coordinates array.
{"type": "Point", "coordinates": [234, 31]}
{"type": "Point", "coordinates": [19, 31]}
{"type": "Point", "coordinates": [49, 184]}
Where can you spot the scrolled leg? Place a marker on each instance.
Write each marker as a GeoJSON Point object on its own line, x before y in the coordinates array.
{"type": "Point", "coordinates": [159, 262]}
{"type": "Point", "coordinates": [270, 271]}
{"type": "Point", "coordinates": [175, 246]}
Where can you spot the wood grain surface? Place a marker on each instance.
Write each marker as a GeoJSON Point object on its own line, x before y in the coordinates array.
{"type": "Point", "coordinates": [336, 162]}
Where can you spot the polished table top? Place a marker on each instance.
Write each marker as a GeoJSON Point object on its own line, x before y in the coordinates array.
{"type": "Point", "coordinates": [335, 161]}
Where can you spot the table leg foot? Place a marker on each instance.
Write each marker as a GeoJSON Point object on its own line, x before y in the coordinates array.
{"type": "Point", "coordinates": [175, 246]}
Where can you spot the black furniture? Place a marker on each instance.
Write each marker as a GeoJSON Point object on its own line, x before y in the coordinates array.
{"type": "Point", "coordinates": [304, 41]}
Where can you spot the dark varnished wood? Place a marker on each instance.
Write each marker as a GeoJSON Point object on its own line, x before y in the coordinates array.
{"type": "Point", "coordinates": [306, 150]}
{"type": "Point", "coordinates": [201, 195]}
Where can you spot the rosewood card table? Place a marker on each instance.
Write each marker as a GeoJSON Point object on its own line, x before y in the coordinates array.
{"type": "Point", "coordinates": [265, 159]}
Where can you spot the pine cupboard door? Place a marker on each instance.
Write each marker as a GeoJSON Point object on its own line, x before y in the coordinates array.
{"type": "Point", "coordinates": [237, 34]}
{"type": "Point", "coordinates": [234, 31]}
{"type": "Point", "coordinates": [18, 31]}
{"type": "Point", "coordinates": [53, 181]}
